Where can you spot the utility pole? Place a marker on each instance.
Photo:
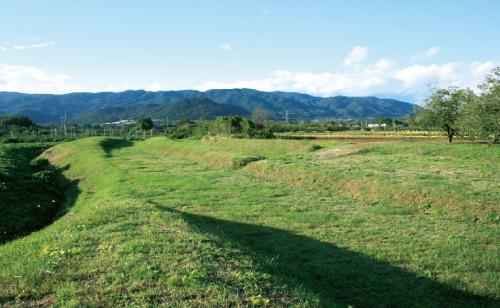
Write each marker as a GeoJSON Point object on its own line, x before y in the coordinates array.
{"type": "Point", "coordinates": [166, 126]}
{"type": "Point", "coordinates": [64, 122]}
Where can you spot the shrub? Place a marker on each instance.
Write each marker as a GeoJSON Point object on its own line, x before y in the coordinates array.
{"type": "Point", "coordinates": [44, 176]}
{"type": "Point", "coordinates": [39, 163]}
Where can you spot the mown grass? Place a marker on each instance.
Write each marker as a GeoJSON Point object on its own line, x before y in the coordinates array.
{"type": "Point", "coordinates": [177, 223]}
{"type": "Point", "coordinates": [458, 180]}
{"type": "Point", "coordinates": [232, 153]}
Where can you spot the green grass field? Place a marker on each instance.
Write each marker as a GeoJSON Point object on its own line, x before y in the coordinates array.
{"type": "Point", "coordinates": [239, 222]}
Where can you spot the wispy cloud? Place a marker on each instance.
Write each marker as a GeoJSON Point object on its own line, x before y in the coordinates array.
{"type": "Point", "coordinates": [431, 52]}
{"type": "Point", "coordinates": [358, 54]}
{"type": "Point", "coordinates": [33, 45]}
{"type": "Point", "coordinates": [426, 55]}
{"type": "Point", "coordinates": [42, 45]}
{"type": "Point", "coordinates": [226, 46]}
{"type": "Point", "coordinates": [2, 48]}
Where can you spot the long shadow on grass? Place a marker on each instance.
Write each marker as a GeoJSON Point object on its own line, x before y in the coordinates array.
{"type": "Point", "coordinates": [110, 144]}
{"type": "Point", "coordinates": [338, 276]}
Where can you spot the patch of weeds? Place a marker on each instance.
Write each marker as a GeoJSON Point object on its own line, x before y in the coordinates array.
{"type": "Point", "coordinates": [191, 278]}
{"type": "Point", "coordinates": [493, 217]}
{"type": "Point", "coordinates": [258, 300]}
{"type": "Point", "coordinates": [364, 151]}
{"type": "Point", "coordinates": [425, 206]}
{"type": "Point", "coordinates": [315, 147]}
{"type": "Point", "coordinates": [243, 161]}
{"type": "Point", "coordinates": [66, 295]}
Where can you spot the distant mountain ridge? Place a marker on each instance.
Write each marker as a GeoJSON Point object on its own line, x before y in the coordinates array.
{"type": "Point", "coordinates": [191, 104]}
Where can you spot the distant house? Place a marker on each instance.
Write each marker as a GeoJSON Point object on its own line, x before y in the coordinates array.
{"type": "Point", "coordinates": [374, 125]}
{"type": "Point", "coordinates": [121, 122]}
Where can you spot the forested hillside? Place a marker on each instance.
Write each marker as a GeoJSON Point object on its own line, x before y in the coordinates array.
{"type": "Point", "coordinates": [110, 106]}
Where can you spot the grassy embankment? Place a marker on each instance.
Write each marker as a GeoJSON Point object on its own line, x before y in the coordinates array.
{"type": "Point", "coordinates": [241, 222]}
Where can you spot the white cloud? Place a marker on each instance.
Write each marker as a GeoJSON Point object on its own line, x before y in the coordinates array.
{"type": "Point", "coordinates": [2, 48]}
{"type": "Point", "coordinates": [226, 46]}
{"type": "Point", "coordinates": [431, 52]}
{"type": "Point", "coordinates": [157, 86]}
{"type": "Point", "coordinates": [33, 80]}
{"type": "Point", "coordinates": [381, 78]}
{"type": "Point", "coordinates": [20, 47]}
{"type": "Point", "coordinates": [358, 54]}
{"type": "Point", "coordinates": [29, 79]}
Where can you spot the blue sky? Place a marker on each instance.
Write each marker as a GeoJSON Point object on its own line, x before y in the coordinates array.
{"type": "Point", "coordinates": [387, 48]}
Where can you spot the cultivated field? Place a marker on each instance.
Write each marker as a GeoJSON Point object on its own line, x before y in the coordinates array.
{"type": "Point", "coordinates": [241, 222]}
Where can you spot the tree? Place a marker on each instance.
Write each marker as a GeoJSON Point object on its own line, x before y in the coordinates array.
{"type": "Point", "coordinates": [145, 124]}
{"type": "Point", "coordinates": [481, 117]}
{"type": "Point", "coordinates": [260, 116]}
{"type": "Point", "coordinates": [20, 121]}
{"type": "Point", "coordinates": [443, 109]}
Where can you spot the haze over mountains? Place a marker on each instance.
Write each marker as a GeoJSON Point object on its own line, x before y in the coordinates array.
{"type": "Point", "coordinates": [191, 104]}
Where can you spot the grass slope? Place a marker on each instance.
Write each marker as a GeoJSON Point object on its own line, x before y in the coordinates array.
{"type": "Point", "coordinates": [180, 223]}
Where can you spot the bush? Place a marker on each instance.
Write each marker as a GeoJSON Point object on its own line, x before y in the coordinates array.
{"type": "Point", "coordinates": [230, 126]}
{"type": "Point", "coordinates": [10, 140]}
{"type": "Point", "coordinates": [39, 163]}
{"type": "Point", "coordinates": [19, 121]}
{"type": "Point", "coordinates": [45, 177]}
{"type": "Point", "coordinates": [315, 147]}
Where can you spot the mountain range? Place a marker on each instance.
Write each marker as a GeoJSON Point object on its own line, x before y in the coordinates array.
{"type": "Point", "coordinates": [190, 104]}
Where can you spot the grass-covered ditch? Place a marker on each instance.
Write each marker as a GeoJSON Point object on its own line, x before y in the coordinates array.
{"type": "Point", "coordinates": [31, 189]}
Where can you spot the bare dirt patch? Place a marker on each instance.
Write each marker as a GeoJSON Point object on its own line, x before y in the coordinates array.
{"type": "Point", "coordinates": [55, 154]}
{"type": "Point", "coordinates": [344, 150]}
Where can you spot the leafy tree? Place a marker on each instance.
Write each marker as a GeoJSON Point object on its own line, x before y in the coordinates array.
{"type": "Point", "coordinates": [260, 116]}
{"type": "Point", "coordinates": [443, 109]}
{"type": "Point", "coordinates": [185, 129]}
{"type": "Point", "coordinates": [383, 120]}
{"type": "Point", "coordinates": [334, 126]}
{"type": "Point", "coordinates": [232, 125]}
{"type": "Point", "coordinates": [145, 124]}
{"type": "Point", "coordinates": [481, 117]}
